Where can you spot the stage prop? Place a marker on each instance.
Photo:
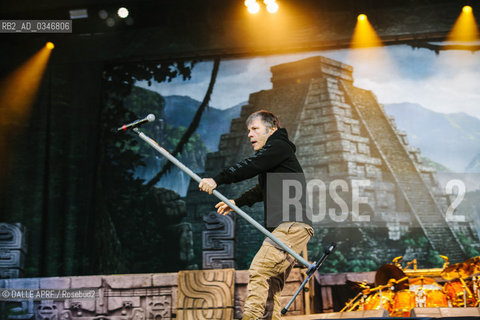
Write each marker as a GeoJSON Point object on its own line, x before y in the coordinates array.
{"type": "Point", "coordinates": [206, 294]}
{"type": "Point", "coordinates": [218, 241]}
{"type": "Point", "coordinates": [13, 249]}
{"type": "Point", "coordinates": [198, 294]}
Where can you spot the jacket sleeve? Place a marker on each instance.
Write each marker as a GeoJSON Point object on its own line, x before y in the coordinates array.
{"type": "Point", "coordinates": [272, 154]}
{"type": "Point", "coordinates": [250, 197]}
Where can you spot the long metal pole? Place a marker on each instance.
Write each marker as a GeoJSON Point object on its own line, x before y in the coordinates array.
{"type": "Point", "coordinates": [217, 194]}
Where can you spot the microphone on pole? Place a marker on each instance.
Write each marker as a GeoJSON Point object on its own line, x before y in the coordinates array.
{"type": "Point", "coordinates": [137, 123]}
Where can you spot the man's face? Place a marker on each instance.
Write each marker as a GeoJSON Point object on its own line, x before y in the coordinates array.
{"type": "Point", "coordinates": [258, 133]}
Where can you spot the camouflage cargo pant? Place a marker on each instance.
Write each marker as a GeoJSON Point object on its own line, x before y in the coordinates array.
{"type": "Point", "coordinates": [269, 270]}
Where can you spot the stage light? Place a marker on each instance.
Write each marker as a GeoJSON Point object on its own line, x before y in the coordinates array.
{"type": "Point", "coordinates": [103, 14]}
{"type": "Point", "coordinates": [272, 7]}
{"type": "Point", "coordinates": [467, 9]}
{"type": "Point", "coordinates": [122, 12]}
{"type": "Point", "coordinates": [465, 28]}
{"type": "Point", "coordinates": [364, 35]}
{"type": "Point", "coordinates": [253, 7]}
{"type": "Point", "coordinates": [50, 45]}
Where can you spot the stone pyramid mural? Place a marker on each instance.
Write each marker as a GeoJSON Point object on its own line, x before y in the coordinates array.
{"type": "Point", "coordinates": [342, 134]}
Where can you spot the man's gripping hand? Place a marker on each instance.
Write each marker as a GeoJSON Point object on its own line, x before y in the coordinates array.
{"type": "Point", "coordinates": [207, 185]}
{"type": "Point", "coordinates": [223, 208]}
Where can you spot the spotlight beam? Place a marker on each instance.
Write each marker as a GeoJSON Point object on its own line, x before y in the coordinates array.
{"type": "Point", "coordinates": [465, 28]}
{"type": "Point", "coordinates": [364, 35]}
{"type": "Point", "coordinates": [17, 95]}
{"type": "Point", "coordinates": [366, 45]}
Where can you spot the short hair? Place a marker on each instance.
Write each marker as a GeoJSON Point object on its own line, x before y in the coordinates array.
{"type": "Point", "coordinates": [269, 119]}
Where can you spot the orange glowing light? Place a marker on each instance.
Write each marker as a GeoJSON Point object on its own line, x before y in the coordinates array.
{"type": "Point", "coordinates": [17, 94]}
{"type": "Point", "coordinates": [50, 45]}
{"type": "Point", "coordinates": [270, 29]}
{"type": "Point", "coordinates": [254, 8]}
{"type": "Point", "coordinates": [18, 90]}
{"type": "Point", "coordinates": [465, 28]}
{"type": "Point", "coordinates": [467, 9]}
{"type": "Point", "coordinates": [364, 35]}
{"type": "Point", "coordinates": [272, 7]}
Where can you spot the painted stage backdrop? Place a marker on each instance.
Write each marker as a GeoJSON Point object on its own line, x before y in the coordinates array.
{"type": "Point", "coordinates": [389, 140]}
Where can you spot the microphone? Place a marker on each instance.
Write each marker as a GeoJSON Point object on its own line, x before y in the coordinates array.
{"type": "Point", "coordinates": [137, 123]}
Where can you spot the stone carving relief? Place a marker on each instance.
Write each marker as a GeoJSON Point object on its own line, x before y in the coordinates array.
{"type": "Point", "coordinates": [12, 250]}
{"type": "Point", "coordinates": [122, 297]}
{"type": "Point", "coordinates": [206, 294]}
{"type": "Point", "coordinates": [218, 241]}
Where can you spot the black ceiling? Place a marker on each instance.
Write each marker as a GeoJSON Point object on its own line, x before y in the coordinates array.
{"type": "Point", "coordinates": [204, 29]}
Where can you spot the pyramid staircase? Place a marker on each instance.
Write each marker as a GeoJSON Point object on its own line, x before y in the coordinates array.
{"type": "Point", "coordinates": [417, 194]}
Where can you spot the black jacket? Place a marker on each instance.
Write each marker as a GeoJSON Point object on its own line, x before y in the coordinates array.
{"type": "Point", "coordinates": [277, 155]}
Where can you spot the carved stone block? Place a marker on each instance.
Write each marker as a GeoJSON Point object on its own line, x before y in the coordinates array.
{"type": "Point", "coordinates": [46, 310]}
{"type": "Point", "coordinates": [206, 294]}
{"type": "Point", "coordinates": [218, 241]}
{"type": "Point", "coordinates": [12, 236]}
{"type": "Point", "coordinates": [12, 250]}
{"type": "Point", "coordinates": [159, 307]}
{"type": "Point", "coordinates": [220, 259]}
{"type": "Point", "coordinates": [11, 259]}
{"type": "Point", "coordinates": [55, 283]}
{"type": "Point", "coordinates": [23, 310]}
{"type": "Point", "coordinates": [119, 297]}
